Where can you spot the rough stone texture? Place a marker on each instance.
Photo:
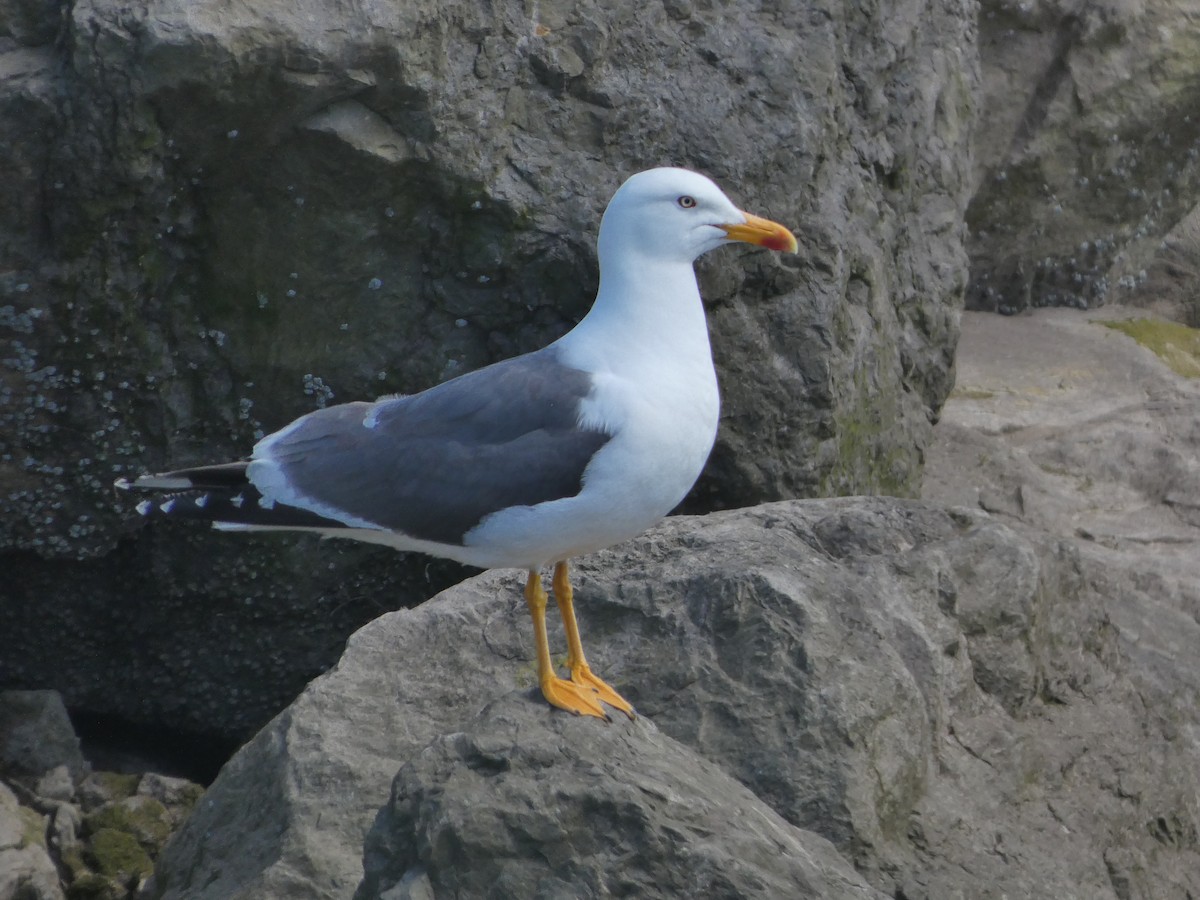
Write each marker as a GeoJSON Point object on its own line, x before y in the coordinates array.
{"type": "Point", "coordinates": [949, 701]}
{"type": "Point", "coordinates": [26, 870]}
{"type": "Point", "coordinates": [219, 216]}
{"type": "Point", "coordinates": [523, 804]}
{"type": "Point", "coordinates": [1088, 153]}
{"type": "Point", "coordinates": [36, 734]}
{"type": "Point", "coordinates": [1068, 426]}
{"type": "Point", "coordinates": [1078, 430]}
{"type": "Point", "coordinates": [1169, 285]}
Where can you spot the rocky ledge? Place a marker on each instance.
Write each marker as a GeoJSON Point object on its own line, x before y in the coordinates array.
{"type": "Point", "coordinates": [839, 698]}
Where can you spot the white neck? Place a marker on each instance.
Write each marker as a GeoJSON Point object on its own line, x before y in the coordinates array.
{"type": "Point", "coordinates": [645, 310]}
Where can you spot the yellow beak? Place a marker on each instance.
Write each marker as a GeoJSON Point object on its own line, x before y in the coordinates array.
{"type": "Point", "coordinates": [763, 232]}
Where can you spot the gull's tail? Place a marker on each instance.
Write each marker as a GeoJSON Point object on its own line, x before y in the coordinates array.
{"type": "Point", "coordinates": [220, 494]}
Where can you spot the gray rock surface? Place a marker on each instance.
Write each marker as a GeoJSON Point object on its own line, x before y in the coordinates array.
{"type": "Point", "coordinates": [1167, 282]}
{"type": "Point", "coordinates": [1088, 154]}
{"type": "Point", "coordinates": [944, 698]}
{"type": "Point", "coordinates": [524, 804]}
{"type": "Point", "coordinates": [26, 870]}
{"type": "Point", "coordinates": [1073, 428]}
{"type": "Point", "coordinates": [1078, 430]}
{"type": "Point", "coordinates": [225, 215]}
{"type": "Point", "coordinates": [36, 735]}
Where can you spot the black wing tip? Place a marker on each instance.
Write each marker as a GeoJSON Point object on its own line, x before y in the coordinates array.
{"type": "Point", "coordinates": [243, 506]}
{"type": "Point", "coordinates": [203, 505]}
{"type": "Point", "coordinates": [222, 476]}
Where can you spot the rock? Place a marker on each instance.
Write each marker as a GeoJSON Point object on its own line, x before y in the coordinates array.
{"type": "Point", "coordinates": [102, 788]}
{"type": "Point", "coordinates": [111, 849]}
{"type": "Point", "coordinates": [118, 856]}
{"type": "Point", "coordinates": [228, 218]}
{"type": "Point", "coordinates": [31, 23]}
{"type": "Point", "coordinates": [1087, 154]}
{"type": "Point", "coordinates": [525, 804]}
{"type": "Point", "coordinates": [56, 784]}
{"type": "Point", "coordinates": [1165, 284]}
{"type": "Point", "coordinates": [1097, 436]}
{"type": "Point", "coordinates": [36, 735]}
{"type": "Point", "coordinates": [143, 817]}
{"type": "Point", "coordinates": [48, 845]}
{"type": "Point", "coordinates": [65, 828]}
{"type": "Point", "coordinates": [173, 793]}
{"type": "Point", "coordinates": [944, 698]}
{"type": "Point", "coordinates": [26, 870]}
{"type": "Point", "coordinates": [1094, 432]}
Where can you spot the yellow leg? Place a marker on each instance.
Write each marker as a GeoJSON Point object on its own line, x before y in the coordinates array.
{"type": "Point", "coordinates": [581, 673]}
{"type": "Point", "coordinates": [558, 691]}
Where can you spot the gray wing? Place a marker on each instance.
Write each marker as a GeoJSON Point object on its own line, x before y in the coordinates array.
{"type": "Point", "coordinates": [433, 464]}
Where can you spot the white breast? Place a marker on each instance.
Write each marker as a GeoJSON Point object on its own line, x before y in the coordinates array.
{"type": "Point", "coordinates": [662, 413]}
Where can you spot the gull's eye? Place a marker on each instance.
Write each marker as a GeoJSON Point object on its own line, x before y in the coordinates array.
{"type": "Point", "coordinates": [686, 202]}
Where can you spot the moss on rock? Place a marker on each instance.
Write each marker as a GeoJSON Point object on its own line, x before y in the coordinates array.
{"type": "Point", "coordinates": [117, 785]}
{"type": "Point", "coordinates": [117, 854]}
{"type": "Point", "coordinates": [34, 831]}
{"type": "Point", "coordinates": [1176, 345]}
{"type": "Point", "coordinates": [95, 887]}
{"type": "Point", "coordinates": [143, 817]}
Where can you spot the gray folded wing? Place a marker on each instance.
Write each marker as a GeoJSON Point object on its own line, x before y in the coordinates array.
{"type": "Point", "coordinates": [432, 465]}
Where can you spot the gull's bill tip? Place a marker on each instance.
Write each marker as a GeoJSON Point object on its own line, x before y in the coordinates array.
{"type": "Point", "coordinates": [763, 232]}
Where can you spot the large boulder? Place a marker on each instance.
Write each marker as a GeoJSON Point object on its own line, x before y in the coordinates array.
{"type": "Point", "coordinates": [1088, 163]}
{"type": "Point", "coordinates": [36, 734]}
{"type": "Point", "coordinates": [940, 698]}
{"type": "Point", "coordinates": [225, 215]}
{"type": "Point", "coordinates": [525, 804]}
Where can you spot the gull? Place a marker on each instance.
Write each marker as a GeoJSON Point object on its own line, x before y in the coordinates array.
{"type": "Point", "coordinates": [531, 461]}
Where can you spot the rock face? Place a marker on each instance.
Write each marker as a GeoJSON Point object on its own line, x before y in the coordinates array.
{"type": "Point", "coordinates": [943, 700]}
{"type": "Point", "coordinates": [221, 216]}
{"type": "Point", "coordinates": [1062, 424]}
{"type": "Point", "coordinates": [1088, 168]}
{"type": "Point", "coordinates": [522, 804]}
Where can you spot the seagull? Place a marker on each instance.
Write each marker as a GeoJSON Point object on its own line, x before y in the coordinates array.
{"type": "Point", "coordinates": [531, 461]}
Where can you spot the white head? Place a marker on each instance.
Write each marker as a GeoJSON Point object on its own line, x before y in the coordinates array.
{"type": "Point", "coordinates": [675, 215]}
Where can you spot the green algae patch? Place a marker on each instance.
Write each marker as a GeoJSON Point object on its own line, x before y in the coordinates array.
{"type": "Point", "coordinates": [1176, 345]}
{"type": "Point", "coordinates": [34, 827]}
{"type": "Point", "coordinates": [143, 817]}
{"type": "Point", "coordinates": [95, 887]}
{"type": "Point", "coordinates": [117, 854]}
{"type": "Point", "coordinates": [118, 784]}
